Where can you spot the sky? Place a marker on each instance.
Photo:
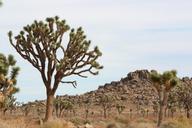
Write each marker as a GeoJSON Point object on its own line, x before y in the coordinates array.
{"type": "Point", "coordinates": [132, 35]}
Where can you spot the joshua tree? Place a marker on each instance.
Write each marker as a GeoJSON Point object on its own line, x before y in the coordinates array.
{"type": "Point", "coordinates": [9, 104]}
{"type": "Point", "coordinates": [8, 75]}
{"type": "Point", "coordinates": [163, 84]}
{"type": "Point", "coordinates": [184, 97]}
{"type": "Point", "coordinates": [172, 102]}
{"type": "Point", "coordinates": [87, 104]}
{"type": "Point", "coordinates": [120, 107]}
{"type": "Point", "coordinates": [62, 105]}
{"type": "Point", "coordinates": [106, 102]}
{"type": "Point", "coordinates": [41, 45]}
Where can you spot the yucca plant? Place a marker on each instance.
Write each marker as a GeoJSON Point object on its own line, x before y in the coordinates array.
{"type": "Point", "coordinates": [163, 84]}
{"type": "Point", "coordinates": [8, 78]}
{"type": "Point", "coordinates": [41, 44]}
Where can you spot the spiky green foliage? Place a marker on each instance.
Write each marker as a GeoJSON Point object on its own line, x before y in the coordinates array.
{"type": "Point", "coordinates": [166, 80]}
{"type": "Point", "coordinates": [8, 74]}
{"type": "Point", "coordinates": [41, 44]}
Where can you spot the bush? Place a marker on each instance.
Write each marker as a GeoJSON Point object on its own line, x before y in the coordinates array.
{"type": "Point", "coordinates": [58, 124]}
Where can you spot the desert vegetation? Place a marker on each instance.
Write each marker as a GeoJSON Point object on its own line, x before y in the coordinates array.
{"type": "Point", "coordinates": [142, 99]}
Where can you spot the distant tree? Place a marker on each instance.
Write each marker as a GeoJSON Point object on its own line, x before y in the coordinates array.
{"type": "Point", "coordinates": [41, 45]}
{"type": "Point", "coordinates": [163, 84]}
{"type": "Point", "coordinates": [184, 97]}
{"type": "Point", "coordinates": [120, 107]}
{"type": "Point", "coordinates": [87, 104]}
{"type": "Point", "coordinates": [172, 102]}
{"type": "Point", "coordinates": [107, 102]}
{"type": "Point", "coordinates": [62, 105]}
{"type": "Point", "coordinates": [9, 104]}
{"type": "Point", "coordinates": [26, 108]}
{"type": "Point", "coordinates": [8, 79]}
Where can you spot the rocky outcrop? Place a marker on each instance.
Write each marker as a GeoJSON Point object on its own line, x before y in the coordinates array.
{"type": "Point", "coordinates": [134, 89]}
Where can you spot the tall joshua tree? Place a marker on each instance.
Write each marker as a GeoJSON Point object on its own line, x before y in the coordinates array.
{"type": "Point", "coordinates": [163, 84]}
{"type": "Point", "coordinates": [41, 44]}
{"type": "Point", "coordinates": [8, 75]}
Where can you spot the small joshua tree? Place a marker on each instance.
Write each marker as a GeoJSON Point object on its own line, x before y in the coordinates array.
{"type": "Point", "coordinates": [163, 84]}
{"type": "Point", "coordinates": [41, 44]}
{"type": "Point", "coordinates": [120, 107]}
{"type": "Point", "coordinates": [87, 104]}
{"type": "Point", "coordinates": [62, 105]}
{"type": "Point", "coordinates": [9, 104]}
{"type": "Point", "coordinates": [184, 97]}
{"type": "Point", "coordinates": [172, 102]}
{"type": "Point", "coordinates": [106, 102]}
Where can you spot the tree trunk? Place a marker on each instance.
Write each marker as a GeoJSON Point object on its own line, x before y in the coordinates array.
{"type": "Point", "coordinates": [163, 97]}
{"type": "Point", "coordinates": [188, 113]}
{"type": "Point", "coordinates": [165, 112]}
{"type": "Point", "coordinates": [4, 111]}
{"type": "Point", "coordinates": [105, 113]}
{"type": "Point", "coordinates": [49, 107]}
{"type": "Point", "coordinates": [160, 114]}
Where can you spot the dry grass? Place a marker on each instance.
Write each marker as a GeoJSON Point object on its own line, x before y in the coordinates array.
{"type": "Point", "coordinates": [180, 122]}
{"type": "Point", "coordinates": [16, 122]}
{"type": "Point", "coordinates": [118, 122]}
{"type": "Point", "coordinates": [58, 124]}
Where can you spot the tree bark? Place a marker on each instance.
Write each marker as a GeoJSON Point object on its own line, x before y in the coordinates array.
{"type": "Point", "coordinates": [188, 113]}
{"type": "Point", "coordinates": [163, 97]}
{"type": "Point", "coordinates": [160, 112]}
{"type": "Point", "coordinates": [49, 107]}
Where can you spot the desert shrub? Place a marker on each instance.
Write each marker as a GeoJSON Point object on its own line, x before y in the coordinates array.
{"type": "Point", "coordinates": [77, 121]}
{"type": "Point", "coordinates": [57, 124]}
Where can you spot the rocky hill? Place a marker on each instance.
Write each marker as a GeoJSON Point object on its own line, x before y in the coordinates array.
{"type": "Point", "coordinates": [135, 89]}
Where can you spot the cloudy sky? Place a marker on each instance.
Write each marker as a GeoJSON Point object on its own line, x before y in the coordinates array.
{"type": "Point", "coordinates": [132, 34]}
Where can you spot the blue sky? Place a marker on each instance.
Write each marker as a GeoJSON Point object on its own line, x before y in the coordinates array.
{"type": "Point", "coordinates": [132, 34]}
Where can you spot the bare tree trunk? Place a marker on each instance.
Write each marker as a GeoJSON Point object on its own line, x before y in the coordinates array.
{"type": "Point", "coordinates": [188, 113]}
{"type": "Point", "coordinates": [160, 114]}
{"type": "Point", "coordinates": [165, 112]}
{"type": "Point", "coordinates": [49, 106]}
{"type": "Point", "coordinates": [163, 97]}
